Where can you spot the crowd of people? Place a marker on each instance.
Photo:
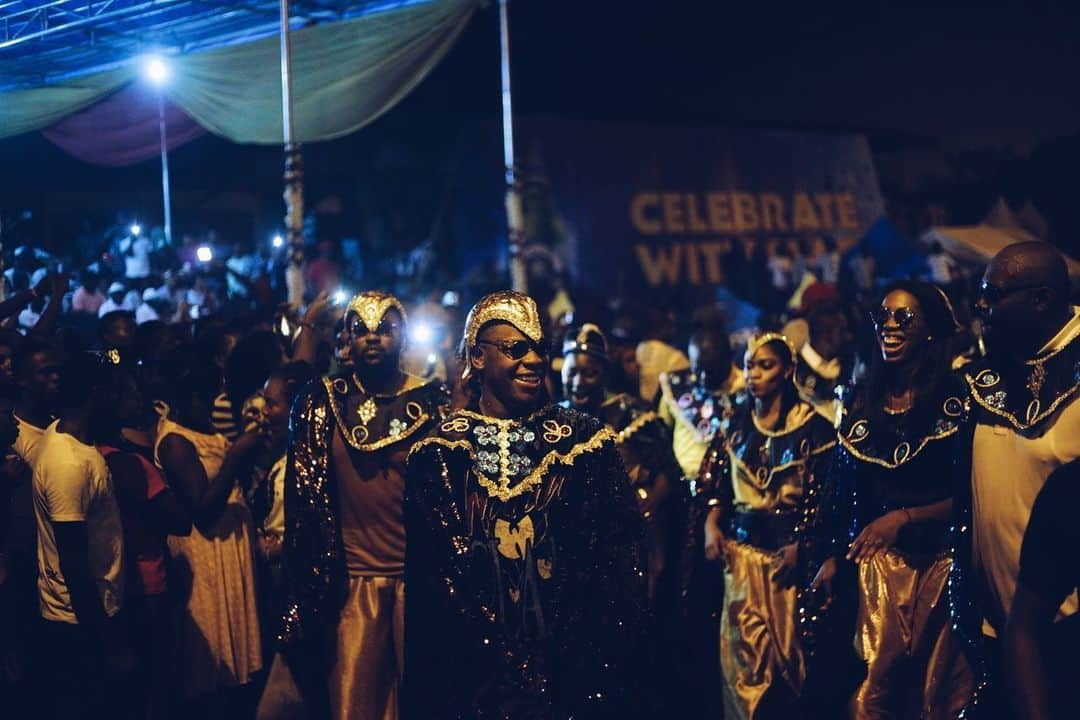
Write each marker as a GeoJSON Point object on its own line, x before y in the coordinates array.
{"type": "Point", "coordinates": [380, 508]}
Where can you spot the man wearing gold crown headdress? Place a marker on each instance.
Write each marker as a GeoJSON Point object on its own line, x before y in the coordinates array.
{"type": "Point", "coordinates": [345, 533]}
{"type": "Point", "coordinates": [526, 592]}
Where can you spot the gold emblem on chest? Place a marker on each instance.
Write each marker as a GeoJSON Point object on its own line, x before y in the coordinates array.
{"type": "Point", "coordinates": [367, 410]}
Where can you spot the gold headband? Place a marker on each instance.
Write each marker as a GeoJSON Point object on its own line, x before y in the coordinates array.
{"type": "Point", "coordinates": [590, 339]}
{"type": "Point", "coordinates": [506, 306]}
{"type": "Point", "coordinates": [371, 306]}
{"type": "Point", "coordinates": [755, 343]}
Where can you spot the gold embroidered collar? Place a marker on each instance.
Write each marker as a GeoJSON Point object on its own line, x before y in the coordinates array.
{"type": "Point", "coordinates": [361, 433]}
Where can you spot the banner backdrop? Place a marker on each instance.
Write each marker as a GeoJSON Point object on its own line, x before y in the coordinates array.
{"type": "Point", "coordinates": [663, 209]}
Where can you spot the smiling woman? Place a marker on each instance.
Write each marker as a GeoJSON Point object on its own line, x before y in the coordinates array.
{"type": "Point", "coordinates": [898, 437]}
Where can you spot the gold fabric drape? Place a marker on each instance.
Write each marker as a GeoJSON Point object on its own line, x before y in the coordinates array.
{"type": "Point", "coordinates": [370, 650]}
{"type": "Point", "coordinates": [760, 657]}
{"type": "Point", "coordinates": [915, 667]}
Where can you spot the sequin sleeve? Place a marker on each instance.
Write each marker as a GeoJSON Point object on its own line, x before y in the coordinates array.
{"type": "Point", "coordinates": [613, 589]}
{"type": "Point", "coordinates": [713, 485]}
{"type": "Point", "coordinates": [312, 552]}
{"type": "Point", "coordinates": [820, 523]}
{"type": "Point", "coordinates": [966, 615]}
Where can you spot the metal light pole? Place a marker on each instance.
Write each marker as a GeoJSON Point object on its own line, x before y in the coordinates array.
{"type": "Point", "coordinates": [515, 214]}
{"type": "Point", "coordinates": [294, 173]}
{"type": "Point", "coordinates": [157, 71]}
{"type": "Point", "coordinates": [164, 169]}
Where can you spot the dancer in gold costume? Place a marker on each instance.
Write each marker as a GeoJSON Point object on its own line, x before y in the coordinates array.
{"type": "Point", "coordinates": [898, 435]}
{"type": "Point", "coordinates": [765, 477]}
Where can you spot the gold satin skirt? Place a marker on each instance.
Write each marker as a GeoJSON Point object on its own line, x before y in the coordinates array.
{"type": "Point", "coordinates": [915, 666]}
{"type": "Point", "coordinates": [370, 650]}
{"type": "Point", "coordinates": [760, 657]}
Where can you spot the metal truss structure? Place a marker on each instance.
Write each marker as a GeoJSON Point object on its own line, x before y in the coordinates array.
{"type": "Point", "coordinates": [51, 41]}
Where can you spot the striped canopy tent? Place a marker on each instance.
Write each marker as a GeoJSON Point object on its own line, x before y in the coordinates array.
{"type": "Point", "coordinates": [261, 71]}
{"type": "Point", "coordinates": [351, 62]}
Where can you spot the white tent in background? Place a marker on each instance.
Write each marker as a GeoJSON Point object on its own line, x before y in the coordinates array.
{"type": "Point", "coordinates": [1001, 216]}
{"type": "Point", "coordinates": [977, 244]}
{"type": "Point", "coordinates": [1032, 220]}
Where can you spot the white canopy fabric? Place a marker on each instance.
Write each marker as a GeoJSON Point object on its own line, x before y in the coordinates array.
{"type": "Point", "coordinates": [977, 244]}
{"type": "Point", "coordinates": [1001, 215]}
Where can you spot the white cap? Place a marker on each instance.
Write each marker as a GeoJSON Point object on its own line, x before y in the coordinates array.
{"type": "Point", "coordinates": [116, 287]}
{"type": "Point", "coordinates": [149, 294]}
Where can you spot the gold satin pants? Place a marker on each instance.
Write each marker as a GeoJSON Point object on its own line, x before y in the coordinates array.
{"type": "Point", "coordinates": [370, 650]}
{"type": "Point", "coordinates": [915, 666]}
{"type": "Point", "coordinates": [760, 657]}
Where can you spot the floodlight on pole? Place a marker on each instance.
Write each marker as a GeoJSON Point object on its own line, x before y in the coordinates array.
{"type": "Point", "coordinates": [136, 229]}
{"type": "Point", "coordinates": [156, 70]}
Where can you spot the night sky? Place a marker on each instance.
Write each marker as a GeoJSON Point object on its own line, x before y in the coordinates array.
{"type": "Point", "coordinates": [909, 75]}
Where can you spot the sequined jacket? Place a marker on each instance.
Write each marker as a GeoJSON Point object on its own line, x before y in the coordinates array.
{"type": "Point", "coordinates": [1027, 399]}
{"type": "Point", "coordinates": [694, 414]}
{"type": "Point", "coordinates": [315, 572]}
{"type": "Point", "coordinates": [526, 594]}
{"type": "Point", "coordinates": [774, 488]}
{"type": "Point", "coordinates": [884, 463]}
{"type": "Point", "coordinates": [644, 441]}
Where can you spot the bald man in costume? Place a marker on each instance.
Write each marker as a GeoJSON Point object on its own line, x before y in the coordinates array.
{"type": "Point", "coordinates": [1024, 424]}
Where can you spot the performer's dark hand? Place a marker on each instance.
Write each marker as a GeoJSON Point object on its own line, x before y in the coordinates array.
{"type": "Point", "coordinates": [317, 308]}
{"type": "Point", "coordinates": [878, 536]}
{"type": "Point", "coordinates": [823, 581]}
{"type": "Point", "coordinates": [787, 559]}
{"type": "Point", "coordinates": [714, 542]}
{"type": "Point", "coordinates": [247, 443]}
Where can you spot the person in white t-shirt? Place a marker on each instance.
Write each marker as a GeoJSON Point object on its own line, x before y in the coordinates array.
{"type": "Point", "coordinates": [36, 366]}
{"type": "Point", "coordinates": [146, 312]}
{"type": "Point", "coordinates": [941, 266]}
{"type": "Point", "coordinates": [137, 258]}
{"type": "Point", "coordinates": [117, 300]}
{"type": "Point", "coordinates": [80, 558]}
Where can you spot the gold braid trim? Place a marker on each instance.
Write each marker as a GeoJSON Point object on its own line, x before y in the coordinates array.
{"type": "Point", "coordinates": [806, 414]}
{"type": "Point", "coordinates": [535, 477]}
{"type": "Point", "coordinates": [443, 442]}
{"type": "Point", "coordinates": [1012, 418]}
{"type": "Point", "coordinates": [639, 422]}
{"type": "Point", "coordinates": [736, 460]}
{"type": "Point", "coordinates": [387, 441]}
{"type": "Point", "coordinates": [850, 447]}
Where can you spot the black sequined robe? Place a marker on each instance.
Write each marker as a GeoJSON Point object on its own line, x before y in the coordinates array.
{"type": "Point", "coordinates": [525, 588]}
{"type": "Point", "coordinates": [316, 578]}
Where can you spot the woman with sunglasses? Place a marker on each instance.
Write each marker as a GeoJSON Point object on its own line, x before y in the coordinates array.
{"type": "Point", "coordinates": [765, 481]}
{"type": "Point", "coordinates": [897, 436]}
